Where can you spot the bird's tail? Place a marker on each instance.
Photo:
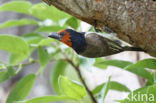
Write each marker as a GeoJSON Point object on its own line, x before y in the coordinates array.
{"type": "Point", "coordinates": [127, 48]}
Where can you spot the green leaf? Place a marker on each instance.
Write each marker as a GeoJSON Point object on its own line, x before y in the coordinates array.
{"type": "Point", "coordinates": [57, 70]}
{"type": "Point", "coordinates": [113, 86]}
{"type": "Point", "coordinates": [141, 72]}
{"type": "Point", "coordinates": [8, 73]}
{"type": "Point", "coordinates": [45, 42]}
{"type": "Point", "coordinates": [2, 74]}
{"type": "Point", "coordinates": [71, 88]}
{"type": "Point", "coordinates": [22, 22]}
{"type": "Point", "coordinates": [139, 68]}
{"type": "Point", "coordinates": [14, 44]}
{"type": "Point", "coordinates": [36, 10]}
{"type": "Point", "coordinates": [154, 79]}
{"type": "Point", "coordinates": [104, 91]}
{"type": "Point", "coordinates": [146, 63]}
{"type": "Point", "coordinates": [73, 22]}
{"type": "Point", "coordinates": [21, 89]}
{"type": "Point", "coordinates": [47, 99]}
{"type": "Point", "coordinates": [142, 95]}
{"type": "Point", "coordinates": [152, 91]}
{"type": "Point", "coordinates": [33, 38]}
{"type": "Point", "coordinates": [50, 29]}
{"type": "Point", "coordinates": [43, 58]}
{"type": "Point", "coordinates": [98, 63]}
{"type": "Point", "coordinates": [116, 63]}
{"type": "Point", "coordinates": [48, 12]}
{"type": "Point", "coordinates": [16, 58]}
{"type": "Point", "coordinates": [23, 6]}
{"type": "Point", "coordinates": [154, 76]}
{"type": "Point", "coordinates": [118, 86]}
{"type": "Point", "coordinates": [132, 94]}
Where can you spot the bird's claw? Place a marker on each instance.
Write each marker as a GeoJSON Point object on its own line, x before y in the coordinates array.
{"type": "Point", "coordinates": [95, 25]}
{"type": "Point", "coordinates": [106, 29]}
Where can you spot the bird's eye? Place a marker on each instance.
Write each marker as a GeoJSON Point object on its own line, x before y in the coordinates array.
{"type": "Point", "coordinates": [62, 33]}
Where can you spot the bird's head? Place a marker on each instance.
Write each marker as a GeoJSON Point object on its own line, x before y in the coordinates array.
{"type": "Point", "coordinates": [73, 39]}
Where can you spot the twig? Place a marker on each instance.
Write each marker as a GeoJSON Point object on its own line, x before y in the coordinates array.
{"type": "Point", "coordinates": [17, 65]}
{"type": "Point", "coordinates": [80, 75]}
{"type": "Point", "coordinates": [20, 66]}
{"type": "Point", "coordinates": [82, 80]}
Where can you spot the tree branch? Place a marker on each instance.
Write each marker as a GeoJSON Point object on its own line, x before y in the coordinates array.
{"type": "Point", "coordinates": [134, 21]}
{"type": "Point", "coordinates": [82, 80]}
{"type": "Point", "coordinates": [80, 76]}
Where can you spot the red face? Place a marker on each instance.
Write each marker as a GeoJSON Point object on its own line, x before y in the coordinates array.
{"type": "Point", "coordinates": [65, 37]}
{"type": "Point", "coordinates": [73, 39]}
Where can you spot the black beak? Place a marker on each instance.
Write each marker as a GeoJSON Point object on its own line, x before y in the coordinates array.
{"type": "Point", "coordinates": [55, 35]}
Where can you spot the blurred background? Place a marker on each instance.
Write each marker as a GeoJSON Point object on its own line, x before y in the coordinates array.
{"type": "Point", "coordinates": [94, 76]}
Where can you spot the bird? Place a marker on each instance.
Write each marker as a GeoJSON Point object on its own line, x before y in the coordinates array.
{"type": "Point", "coordinates": [91, 44]}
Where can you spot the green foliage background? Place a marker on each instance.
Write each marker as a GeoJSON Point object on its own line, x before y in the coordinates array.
{"type": "Point", "coordinates": [49, 19]}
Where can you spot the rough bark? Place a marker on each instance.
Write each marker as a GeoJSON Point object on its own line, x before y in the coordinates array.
{"type": "Point", "coordinates": [134, 21]}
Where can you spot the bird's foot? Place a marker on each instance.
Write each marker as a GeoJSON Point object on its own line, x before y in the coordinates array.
{"type": "Point", "coordinates": [95, 25]}
{"type": "Point", "coordinates": [106, 29]}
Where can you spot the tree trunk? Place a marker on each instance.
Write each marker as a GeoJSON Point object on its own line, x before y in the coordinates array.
{"type": "Point", "coordinates": [134, 21]}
